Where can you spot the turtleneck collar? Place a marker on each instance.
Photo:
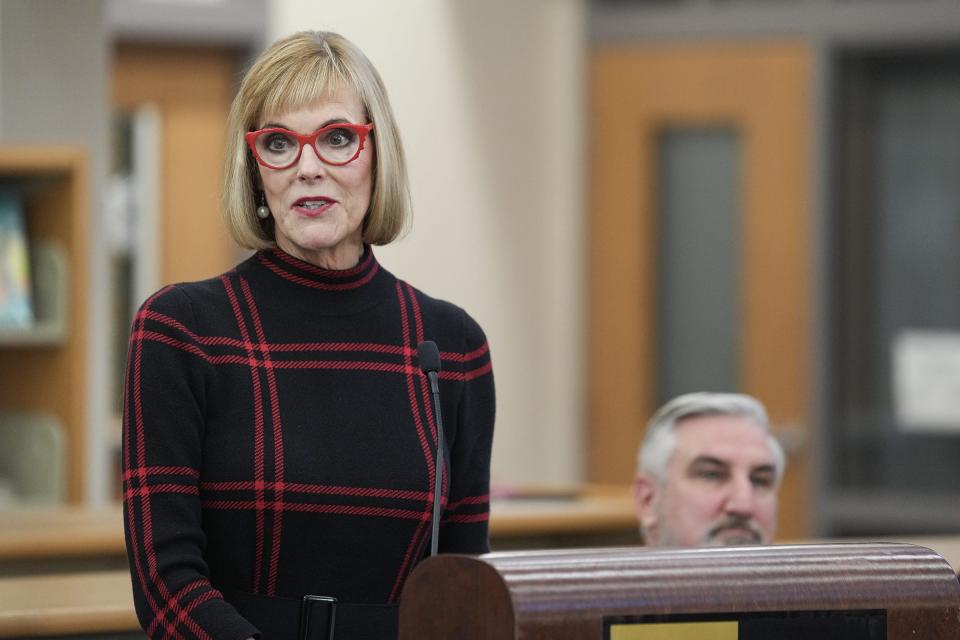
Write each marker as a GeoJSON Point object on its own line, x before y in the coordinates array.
{"type": "Point", "coordinates": [303, 273]}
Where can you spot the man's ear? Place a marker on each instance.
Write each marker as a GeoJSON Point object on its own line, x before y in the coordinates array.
{"type": "Point", "coordinates": [645, 500]}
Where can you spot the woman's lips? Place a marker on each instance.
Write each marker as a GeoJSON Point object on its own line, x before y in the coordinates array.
{"type": "Point", "coordinates": [313, 207]}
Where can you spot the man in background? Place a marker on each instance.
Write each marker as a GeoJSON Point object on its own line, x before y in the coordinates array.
{"type": "Point", "coordinates": [708, 473]}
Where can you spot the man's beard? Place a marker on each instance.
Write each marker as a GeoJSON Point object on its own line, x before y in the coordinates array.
{"type": "Point", "coordinates": [733, 530]}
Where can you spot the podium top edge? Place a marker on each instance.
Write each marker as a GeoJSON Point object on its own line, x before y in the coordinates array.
{"type": "Point", "coordinates": [845, 549]}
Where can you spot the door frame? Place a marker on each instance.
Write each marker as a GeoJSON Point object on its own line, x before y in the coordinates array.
{"type": "Point", "coordinates": [761, 88]}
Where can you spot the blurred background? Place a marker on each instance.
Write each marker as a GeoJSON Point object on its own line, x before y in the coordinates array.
{"type": "Point", "coordinates": [635, 198]}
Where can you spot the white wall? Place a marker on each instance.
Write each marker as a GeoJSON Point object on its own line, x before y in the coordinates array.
{"type": "Point", "coordinates": [490, 100]}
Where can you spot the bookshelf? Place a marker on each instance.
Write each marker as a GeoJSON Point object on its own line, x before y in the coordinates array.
{"type": "Point", "coordinates": [43, 369]}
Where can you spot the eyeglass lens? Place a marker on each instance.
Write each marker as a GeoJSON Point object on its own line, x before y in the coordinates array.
{"type": "Point", "coordinates": [281, 149]}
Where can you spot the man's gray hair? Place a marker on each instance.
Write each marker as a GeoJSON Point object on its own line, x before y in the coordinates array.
{"type": "Point", "coordinates": [661, 438]}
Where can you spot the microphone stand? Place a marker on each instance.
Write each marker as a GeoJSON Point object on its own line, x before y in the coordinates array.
{"type": "Point", "coordinates": [429, 359]}
{"type": "Point", "coordinates": [438, 481]}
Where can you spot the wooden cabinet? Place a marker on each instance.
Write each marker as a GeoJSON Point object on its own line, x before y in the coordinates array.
{"type": "Point", "coordinates": [43, 370]}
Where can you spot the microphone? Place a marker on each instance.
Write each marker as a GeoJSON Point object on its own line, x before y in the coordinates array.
{"type": "Point", "coordinates": [429, 358]}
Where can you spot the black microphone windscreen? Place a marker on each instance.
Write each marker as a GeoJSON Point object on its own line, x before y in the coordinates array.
{"type": "Point", "coordinates": [428, 355]}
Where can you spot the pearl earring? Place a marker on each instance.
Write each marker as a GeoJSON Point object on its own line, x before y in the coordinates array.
{"type": "Point", "coordinates": [263, 211]}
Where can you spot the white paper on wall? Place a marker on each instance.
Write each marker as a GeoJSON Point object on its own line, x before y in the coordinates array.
{"type": "Point", "coordinates": [926, 380]}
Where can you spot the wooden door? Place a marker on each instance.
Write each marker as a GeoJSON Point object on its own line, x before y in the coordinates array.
{"type": "Point", "coordinates": [191, 89]}
{"type": "Point", "coordinates": [760, 91]}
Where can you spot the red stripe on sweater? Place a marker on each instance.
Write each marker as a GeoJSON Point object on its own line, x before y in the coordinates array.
{"type": "Point", "coordinates": [254, 363]}
{"type": "Point", "coordinates": [217, 341]}
{"type": "Point", "coordinates": [300, 346]}
{"type": "Point", "coordinates": [162, 318]}
{"type": "Point", "coordinates": [258, 437]}
{"type": "Point", "coordinates": [410, 371]}
{"type": "Point", "coordinates": [251, 361]}
{"type": "Point", "coordinates": [361, 347]}
{"type": "Point", "coordinates": [311, 268]}
{"type": "Point", "coordinates": [317, 489]}
{"type": "Point", "coordinates": [342, 365]}
{"type": "Point", "coordinates": [172, 342]}
{"type": "Point", "coordinates": [422, 381]}
{"type": "Point", "coordinates": [161, 471]}
{"type": "Point", "coordinates": [278, 469]}
{"type": "Point", "coordinates": [133, 367]}
{"type": "Point", "coordinates": [152, 577]}
{"type": "Point", "coordinates": [336, 365]}
{"type": "Point", "coordinates": [196, 602]}
{"type": "Point", "coordinates": [430, 409]}
{"type": "Point", "coordinates": [418, 541]}
{"type": "Point", "coordinates": [484, 499]}
{"type": "Point", "coordinates": [324, 286]}
{"type": "Point", "coordinates": [466, 376]}
{"type": "Point", "coordinates": [476, 373]}
{"type": "Point", "coordinates": [467, 519]}
{"type": "Point", "coordinates": [312, 507]}
{"type": "Point", "coordinates": [148, 490]}
{"type": "Point", "coordinates": [183, 592]}
{"type": "Point", "coordinates": [424, 444]}
{"type": "Point", "coordinates": [346, 365]}
{"type": "Point", "coordinates": [466, 357]}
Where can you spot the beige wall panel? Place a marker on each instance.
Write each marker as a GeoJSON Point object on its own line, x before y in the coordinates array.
{"type": "Point", "coordinates": [491, 113]}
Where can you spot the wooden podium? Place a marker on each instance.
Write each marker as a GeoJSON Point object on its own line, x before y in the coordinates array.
{"type": "Point", "coordinates": [849, 591]}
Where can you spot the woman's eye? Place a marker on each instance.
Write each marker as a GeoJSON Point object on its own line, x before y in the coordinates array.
{"type": "Point", "coordinates": [278, 142]}
{"type": "Point", "coordinates": [340, 137]}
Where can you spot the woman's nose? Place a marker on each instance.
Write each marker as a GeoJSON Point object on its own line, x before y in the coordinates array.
{"type": "Point", "coordinates": [310, 165]}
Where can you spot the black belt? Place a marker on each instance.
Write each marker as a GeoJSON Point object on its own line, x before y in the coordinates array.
{"type": "Point", "coordinates": [315, 617]}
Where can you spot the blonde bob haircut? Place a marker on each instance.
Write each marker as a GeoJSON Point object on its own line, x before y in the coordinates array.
{"type": "Point", "coordinates": [296, 72]}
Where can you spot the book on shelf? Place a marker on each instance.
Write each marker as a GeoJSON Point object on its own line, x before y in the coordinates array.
{"type": "Point", "coordinates": [16, 302]}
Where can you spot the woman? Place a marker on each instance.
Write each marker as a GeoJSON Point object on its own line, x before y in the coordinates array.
{"type": "Point", "coordinates": [279, 439]}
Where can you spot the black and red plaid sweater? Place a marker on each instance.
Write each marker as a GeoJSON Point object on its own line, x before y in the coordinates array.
{"type": "Point", "coordinates": [279, 439]}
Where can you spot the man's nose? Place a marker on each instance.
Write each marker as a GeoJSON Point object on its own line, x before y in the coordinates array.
{"type": "Point", "coordinates": [740, 497]}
